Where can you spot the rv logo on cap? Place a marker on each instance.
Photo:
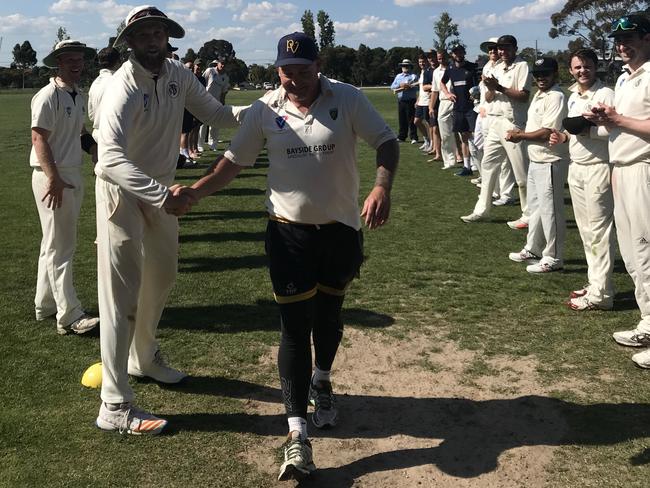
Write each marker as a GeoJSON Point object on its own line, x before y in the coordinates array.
{"type": "Point", "coordinates": [292, 46]}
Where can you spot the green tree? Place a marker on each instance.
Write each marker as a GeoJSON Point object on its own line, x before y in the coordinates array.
{"type": "Point", "coordinates": [61, 35]}
{"type": "Point", "coordinates": [308, 26]}
{"type": "Point", "coordinates": [237, 70]}
{"type": "Point", "coordinates": [215, 49]}
{"type": "Point", "coordinates": [326, 27]}
{"type": "Point", "coordinates": [190, 55]}
{"type": "Point", "coordinates": [591, 20]}
{"type": "Point", "coordinates": [256, 74]}
{"type": "Point", "coordinates": [446, 32]}
{"type": "Point", "coordinates": [24, 58]}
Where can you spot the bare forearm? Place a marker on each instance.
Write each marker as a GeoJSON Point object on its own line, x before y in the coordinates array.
{"type": "Point", "coordinates": [387, 161]}
{"type": "Point", "coordinates": [512, 94]}
{"type": "Point", "coordinates": [637, 127]}
{"type": "Point", "coordinates": [540, 135]}
{"type": "Point", "coordinates": [45, 156]}
{"type": "Point", "coordinates": [223, 173]}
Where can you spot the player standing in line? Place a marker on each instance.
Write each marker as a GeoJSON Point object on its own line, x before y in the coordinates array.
{"type": "Point", "coordinates": [109, 62]}
{"type": "Point", "coordinates": [217, 83]}
{"type": "Point", "coordinates": [547, 173]}
{"type": "Point", "coordinates": [590, 176]}
{"type": "Point", "coordinates": [434, 137]}
{"type": "Point", "coordinates": [313, 238]}
{"type": "Point", "coordinates": [422, 103]}
{"type": "Point", "coordinates": [58, 136]}
{"type": "Point", "coordinates": [405, 86]}
{"type": "Point", "coordinates": [508, 90]}
{"type": "Point", "coordinates": [628, 122]}
{"type": "Point", "coordinates": [137, 237]}
{"type": "Point", "coordinates": [445, 113]}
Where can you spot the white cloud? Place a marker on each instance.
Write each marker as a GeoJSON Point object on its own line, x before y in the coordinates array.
{"type": "Point", "coordinates": [267, 12]}
{"type": "Point", "coordinates": [367, 24]}
{"type": "Point", "coordinates": [226, 33]}
{"type": "Point", "coordinates": [414, 3]}
{"type": "Point", "coordinates": [204, 4]}
{"type": "Point", "coordinates": [537, 10]}
{"type": "Point", "coordinates": [111, 12]}
{"type": "Point", "coordinates": [193, 17]}
{"type": "Point", "coordinates": [23, 24]}
{"type": "Point", "coordinates": [279, 32]}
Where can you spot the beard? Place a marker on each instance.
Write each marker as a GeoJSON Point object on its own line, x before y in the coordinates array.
{"type": "Point", "coordinates": [150, 60]}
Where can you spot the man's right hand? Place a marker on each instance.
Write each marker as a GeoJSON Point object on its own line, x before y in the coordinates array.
{"type": "Point", "coordinates": [179, 201]}
{"type": "Point", "coordinates": [54, 194]}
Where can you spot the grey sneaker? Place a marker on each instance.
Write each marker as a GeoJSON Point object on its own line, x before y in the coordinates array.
{"type": "Point", "coordinates": [158, 370]}
{"type": "Point", "coordinates": [298, 460]}
{"type": "Point", "coordinates": [82, 325]}
{"type": "Point", "coordinates": [326, 413]}
{"type": "Point", "coordinates": [125, 418]}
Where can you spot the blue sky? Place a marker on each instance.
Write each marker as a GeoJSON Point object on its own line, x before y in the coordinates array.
{"type": "Point", "coordinates": [254, 27]}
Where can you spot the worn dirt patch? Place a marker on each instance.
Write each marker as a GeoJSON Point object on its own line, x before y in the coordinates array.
{"type": "Point", "coordinates": [414, 412]}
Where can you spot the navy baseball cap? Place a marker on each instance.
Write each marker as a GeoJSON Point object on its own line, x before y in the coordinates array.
{"type": "Point", "coordinates": [296, 48]}
{"type": "Point", "coordinates": [507, 40]}
{"type": "Point", "coordinates": [545, 65]}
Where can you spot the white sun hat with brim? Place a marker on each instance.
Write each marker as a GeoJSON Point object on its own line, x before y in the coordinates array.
{"type": "Point", "coordinates": [145, 13]}
{"type": "Point", "coordinates": [492, 41]}
{"type": "Point", "coordinates": [68, 46]}
{"type": "Point", "coordinates": [405, 62]}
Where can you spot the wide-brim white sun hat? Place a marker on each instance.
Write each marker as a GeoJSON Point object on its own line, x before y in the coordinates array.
{"type": "Point", "coordinates": [145, 13]}
{"type": "Point", "coordinates": [68, 46]}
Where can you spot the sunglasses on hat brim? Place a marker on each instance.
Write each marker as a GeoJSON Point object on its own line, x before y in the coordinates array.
{"type": "Point", "coordinates": [626, 25]}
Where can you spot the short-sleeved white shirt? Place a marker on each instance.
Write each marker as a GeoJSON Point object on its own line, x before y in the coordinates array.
{"type": "Point", "coordinates": [547, 109]}
{"type": "Point", "coordinates": [438, 73]}
{"type": "Point", "coordinates": [217, 83]}
{"type": "Point", "coordinates": [487, 71]}
{"type": "Point", "coordinates": [423, 95]}
{"type": "Point", "coordinates": [631, 99]}
{"type": "Point", "coordinates": [54, 110]}
{"type": "Point", "coordinates": [313, 177]}
{"type": "Point", "coordinates": [516, 76]}
{"type": "Point", "coordinates": [590, 148]}
{"type": "Point", "coordinates": [95, 95]}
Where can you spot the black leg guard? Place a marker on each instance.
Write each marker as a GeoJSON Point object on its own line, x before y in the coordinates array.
{"type": "Point", "coordinates": [328, 329]}
{"type": "Point", "coordinates": [294, 356]}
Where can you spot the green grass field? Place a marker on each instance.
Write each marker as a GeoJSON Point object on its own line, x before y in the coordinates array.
{"type": "Point", "coordinates": [424, 267]}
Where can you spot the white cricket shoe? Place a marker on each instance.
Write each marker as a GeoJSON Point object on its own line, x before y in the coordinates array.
{"type": "Point", "coordinates": [83, 324]}
{"type": "Point", "coordinates": [125, 418]}
{"type": "Point", "coordinates": [544, 268]}
{"type": "Point", "coordinates": [632, 338]}
{"type": "Point", "coordinates": [158, 370]}
{"type": "Point", "coordinates": [472, 218]}
{"type": "Point", "coordinates": [298, 460]}
{"type": "Point", "coordinates": [524, 256]}
{"type": "Point", "coordinates": [642, 359]}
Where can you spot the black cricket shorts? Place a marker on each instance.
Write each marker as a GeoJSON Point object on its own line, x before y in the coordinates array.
{"type": "Point", "coordinates": [464, 121]}
{"type": "Point", "coordinates": [306, 258]}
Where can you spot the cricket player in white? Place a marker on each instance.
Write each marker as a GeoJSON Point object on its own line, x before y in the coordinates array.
{"type": "Point", "coordinates": [628, 122]}
{"type": "Point", "coordinates": [547, 172]}
{"type": "Point", "coordinates": [508, 91]}
{"type": "Point", "coordinates": [58, 112]}
{"type": "Point", "coordinates": [589, 180]}
{"type": "Point", "coordinates": [137, 248]}
{"type": "Point", "coordinates": [217, 83]}
{"type": "Point", "coordinates": [109, 62]}
{"type": "Point", "coordinates": [445, 113]}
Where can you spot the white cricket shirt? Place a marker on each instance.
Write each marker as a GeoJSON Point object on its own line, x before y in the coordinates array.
{"type": "Point", "coordinates": [631, 99]}
{"type": "Point", "coordinates": [438, 73]}
{"type": "Point", "coordinates": [217, 83]}
{"type": "Point", "coordinates": [95, 95]}
{"type": "Point", "coordinates": [140, 126]}
{"type": "Point", "coordinates": [54, 110]}
{"type": "Point", "coordinates": [590, 148]}
{"type": "Point", "coordinates": [423, 95]}
{"type": "Point", "coordinates": [313, 177]}
{"type": "Point", "coordinates": [547, 109]}
{"type": "Point", "coordinates": [516, 76]}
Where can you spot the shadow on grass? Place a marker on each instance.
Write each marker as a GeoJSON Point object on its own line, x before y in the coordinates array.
{"type": "Point", "coordinates": [240, 192]}
{"type": "Point", "coordinates": [468, 436]}
{"type": "Point", "coordinates": [625, 300]}
{"type": "Point", "coordinates": [217, 264]}
{"type": "Point", "coordinates": [619, 266]}
{"type": "Point", "coordinates": [225, 215]}
{"type": "Point", "coordinates": [223, 237]}
{"type": "Point", "coordinates": [263, 315]}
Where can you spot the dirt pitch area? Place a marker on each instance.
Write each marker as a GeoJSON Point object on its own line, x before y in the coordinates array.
{"type": "Point", "coordinates": [410, 416]}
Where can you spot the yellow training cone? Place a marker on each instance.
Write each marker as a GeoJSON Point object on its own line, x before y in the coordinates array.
{"type": "Point", "coordinates": [92, 377]}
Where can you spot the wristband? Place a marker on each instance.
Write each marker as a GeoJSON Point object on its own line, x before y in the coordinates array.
{"type": "Point", "coordinates": [87, 142]}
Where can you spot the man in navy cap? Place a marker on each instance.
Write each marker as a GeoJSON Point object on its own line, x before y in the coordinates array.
{"type": "Point", "coordinates": [313, 238]}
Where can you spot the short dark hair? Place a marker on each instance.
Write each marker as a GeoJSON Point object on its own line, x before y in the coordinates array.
{"type": "Point", "coordinates": [422, 56]}
{"type": "Point", "coordinates": [108, 57]}
{"type": "Point", "coordinates": [584, 54]}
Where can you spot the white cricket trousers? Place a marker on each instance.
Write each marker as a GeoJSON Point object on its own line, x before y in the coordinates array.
{"type": "Point", "coordinates": [547, 224]}
{"type": "Point", "coordinates": [137, 259]}
{"type": "Point", "coordinates": [505, 185]}
{"type": "Point", "coordinates": [446, 128]}
{"type": "Point", "coordinates": [593, 208]}
{"type": "Point", "coordinates": [496, 150]}
{"type": "Point", "coordinates": [55, 292]}
{"type": "Point", "coordinates": [213, 136]}
{"type": "Point", "coordinates": [631, 188]}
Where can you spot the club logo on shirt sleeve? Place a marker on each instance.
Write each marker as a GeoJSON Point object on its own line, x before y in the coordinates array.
{"type": "Point", "coordinates": [334, 113]}
{"type": "Point", "coordinates": [172, 89]}
{"type": "Point", "coordinates": [281, 121]}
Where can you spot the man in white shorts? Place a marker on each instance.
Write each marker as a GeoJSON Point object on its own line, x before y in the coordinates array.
{"type": "Point", "coordinates": [58, 112]}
